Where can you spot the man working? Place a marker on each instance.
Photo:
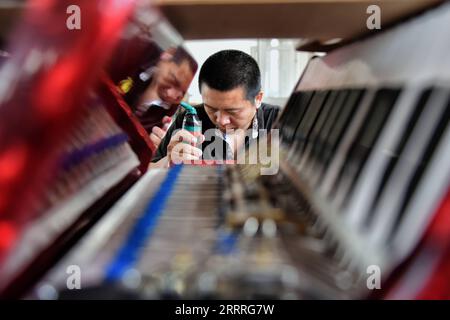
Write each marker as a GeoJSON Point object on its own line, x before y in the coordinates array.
{"type": "Point", "coordinates": [155, 93]}
{"type": "Point", "coordinates": [230, 85]}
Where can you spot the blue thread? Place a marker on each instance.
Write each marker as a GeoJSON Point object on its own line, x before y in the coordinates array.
{"type": "Point", "coordinates": [77, 156]}
{"type": "Point", "coordinates": [143, 228]}
{"type": "Point", "coordinates": [226, 242]}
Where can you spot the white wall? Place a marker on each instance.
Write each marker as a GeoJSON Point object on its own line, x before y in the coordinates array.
{"type": "Point", "coordinates": [202, 49]}
{"type": "Point", "coordinates": [281, 66]}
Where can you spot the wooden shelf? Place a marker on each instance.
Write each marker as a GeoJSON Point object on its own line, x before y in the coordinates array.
{"type": "Point", "coordinates": [319, 20]}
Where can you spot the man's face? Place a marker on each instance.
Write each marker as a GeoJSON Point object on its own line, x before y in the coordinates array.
{"type": "Point", "coordinates": [229, 110]}
{"type": "Point", "coordinates": [173, 80]}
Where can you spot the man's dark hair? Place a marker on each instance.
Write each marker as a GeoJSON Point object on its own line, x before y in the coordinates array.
{"type": "Point", "coordinates": [229, 69]}
{"type": "Point", "coordinates": [181, 54]}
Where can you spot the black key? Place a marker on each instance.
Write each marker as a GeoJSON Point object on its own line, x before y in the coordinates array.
{"type": "Point", "coordinates": [296, 115]}
{"type": "Point", "coordinates": [340, 126]}
{"type": "Point", "coordinates": [308, 121]}
{"type": "Point", "coordinates": [324, 136]}
{"type": "Point", "coordinates": [425, 159]}
{"type": "Point", "coordinates": [393, 158]}
{"type": "Point", "coordinates": [366, 138]}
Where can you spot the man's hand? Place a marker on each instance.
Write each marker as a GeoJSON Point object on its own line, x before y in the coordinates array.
{"type": "Point", "coordinates": [182, 147]}
{"type": "Point", "coordinates": [158, 133]}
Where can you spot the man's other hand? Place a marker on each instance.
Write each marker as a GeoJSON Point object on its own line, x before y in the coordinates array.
{"type": "Point", "coordinates": [158, 133]}
{"type": "Point", "coordinates": [182, 147]}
